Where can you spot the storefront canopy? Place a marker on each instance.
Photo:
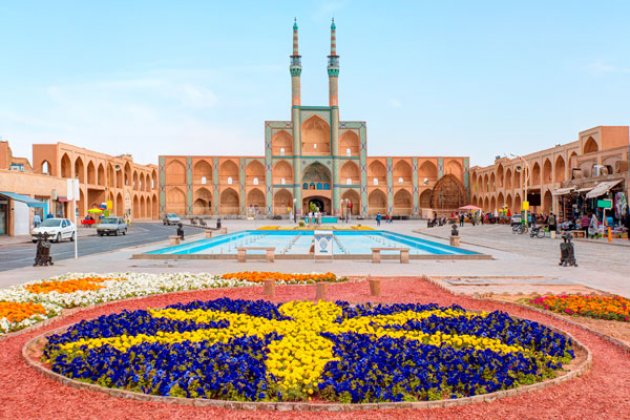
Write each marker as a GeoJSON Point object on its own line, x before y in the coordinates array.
{"type": "Point", "coordinates": [31, 202]}
{"type": "Point", "coordinates": [602, 188]}
{"type": "Point", "coordinates": [563, 191]}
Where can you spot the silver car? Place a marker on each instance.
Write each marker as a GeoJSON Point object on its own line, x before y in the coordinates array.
{"type": "Point", "coordinates": [111, 226]}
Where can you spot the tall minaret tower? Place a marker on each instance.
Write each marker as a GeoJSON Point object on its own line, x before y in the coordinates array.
{"type": "Point", "coordinates": [333, 67]}
{"type": "Point", "coordinates": [295, 68]}
{"type": "Point", "coordinates": [333, 102]}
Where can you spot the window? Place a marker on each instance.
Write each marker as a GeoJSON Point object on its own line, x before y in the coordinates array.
{"type": "Point", "coordinates": [348, 181]}
{"type": "Point", "coordinates": [229, 180]}
{"type": "Point", "coordinates": [315, 146]}
{"type": "Point", "coordinates": [375, 181]}
{"type": "Point", "coordinates": [16, 167]}
{"type": "Point", "coordinates": [400, 180]}
{"type": "Point", "coordinates": [348, 152]}
{"type": "Point", "coordinates": [45, 168]}
{"type": "Point", "coordinates": [283, 181]}
{"type": "Point", "coordinates": [282, 151]}
{"type": "Point", "coordinates": [255, 180]}
{"type": "Point", "coordinates": [204, 180]}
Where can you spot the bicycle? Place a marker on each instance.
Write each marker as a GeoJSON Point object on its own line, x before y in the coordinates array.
{"type": "Point", "coordinates": [520, 229]}
{"type": "Point", "coordinates": [537, 232]}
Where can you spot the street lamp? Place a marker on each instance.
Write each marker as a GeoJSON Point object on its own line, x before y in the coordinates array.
{"type": "Point", "coordinates": [525, 170]}
{"type": "Point", "coordinates": [294, 212]}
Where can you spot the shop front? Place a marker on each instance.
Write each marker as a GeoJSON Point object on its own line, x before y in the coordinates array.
{"type": "Point", "coordinates": [15, 213]}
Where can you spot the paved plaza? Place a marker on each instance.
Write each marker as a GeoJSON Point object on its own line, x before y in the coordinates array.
{"type": "Point", "coordinates": [520, 264]}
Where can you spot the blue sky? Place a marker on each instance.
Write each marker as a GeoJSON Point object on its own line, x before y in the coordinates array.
{"type": "Point", "coordinates": [198, 77]}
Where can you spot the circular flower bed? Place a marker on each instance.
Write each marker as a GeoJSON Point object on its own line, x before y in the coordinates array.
{"type": "Point", "coordinates": [260, 351]}
{"type": "Point", "coordinates": [616, 308]}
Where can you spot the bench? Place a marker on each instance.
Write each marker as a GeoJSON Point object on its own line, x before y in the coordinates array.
{"type": "Point", "coordinates": [174, 240]}
{"type": "Point", "coordinates": [404, 254]}
{"type": "Point", "coordinates": [241, 256]}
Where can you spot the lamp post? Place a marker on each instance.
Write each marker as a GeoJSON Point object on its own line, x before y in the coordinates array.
{"type": "Point", "coordinates": [294, 212]}
{"type": "Point", "coordinates": [525, 170]}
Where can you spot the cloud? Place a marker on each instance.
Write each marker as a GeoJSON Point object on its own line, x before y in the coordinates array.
{"type": "Point", "coordinates": [394, 103]}
{"type": "Point", "coordinates": [601, 67]}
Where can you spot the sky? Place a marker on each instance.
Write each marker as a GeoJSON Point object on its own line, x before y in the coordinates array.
{"type": "Point", "coordinates": [461, 78]}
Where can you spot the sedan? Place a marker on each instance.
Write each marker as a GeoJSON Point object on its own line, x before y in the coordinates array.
{"type": "Point", "coordinates": [111, 226]}
{"type": "Point", "coordinates": [56, 228]}
{"type": "Point", "coordinates": [171, 219]}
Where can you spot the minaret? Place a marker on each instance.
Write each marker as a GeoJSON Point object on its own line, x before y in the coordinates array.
{"type": "Point", "coordinates": [295, 68]}
{"type": "Point", "coordinates": [333, 67]}
{"type": "Point", "coordinates": [333, 101]}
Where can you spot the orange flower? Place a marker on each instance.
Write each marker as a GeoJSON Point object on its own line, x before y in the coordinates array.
{"type": "Point", "coordinates": [68, 286]}
{"type": "Point", "coordinates": [260, 276]}
{"type": "Point", "coordinates": [18, 311]}
{"type": "Point", "coordinates": [593, 306]}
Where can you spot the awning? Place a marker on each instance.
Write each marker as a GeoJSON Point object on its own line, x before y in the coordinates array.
{"type": "Point", "coordinates": [602, 188]}
{"type": "Point", "coordinates": [585, 189]}
{"type": "Point", "coordinates": [62, 199]}
{"type": "Point", "coordinates": [563, 191]}
{"type": "Point", "coordinates": [31, 202]}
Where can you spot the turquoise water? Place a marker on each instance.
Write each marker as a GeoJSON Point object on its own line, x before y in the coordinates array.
{"type": "Point", "coordinates": [299, 243]}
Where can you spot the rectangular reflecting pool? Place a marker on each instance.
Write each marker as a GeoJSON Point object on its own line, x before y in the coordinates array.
{"type": "Point", "coordinates": [294, 244]}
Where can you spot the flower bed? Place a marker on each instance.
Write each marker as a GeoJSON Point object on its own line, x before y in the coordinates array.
{"type": "Point", "coordinates": [289, 278]}
{"type": "Point", "coordinates": [85, 289]}
{"type": "Point", "coordinates": [615, 308]}
{"type": "Point", "coordinates": [260, 351]}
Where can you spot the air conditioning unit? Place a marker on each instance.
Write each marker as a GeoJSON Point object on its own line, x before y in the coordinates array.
{"type": "Point", "coordinates": [598, 170]}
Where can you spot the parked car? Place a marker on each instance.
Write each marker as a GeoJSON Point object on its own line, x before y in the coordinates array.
{"type": "Point", "coordinates": [516, 219]}
{"type": "Point", "coordinates": [57, 229]}
{"type": "Point", "coordinates": [111, 226]}
{"type": "Point", "coordinates": [171, 219]}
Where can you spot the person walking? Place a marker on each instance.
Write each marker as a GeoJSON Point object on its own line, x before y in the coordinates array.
{"type": "Point", "coordinates": [584, 222]}
{"type": "Point", "coordinates": [461, 219]}
{"type": "Point", "coordinates": [37, 220]}
{"type": "Point", "coordinates": [378, 218]}
{"type": "Point", "coordinates": [551, 222]}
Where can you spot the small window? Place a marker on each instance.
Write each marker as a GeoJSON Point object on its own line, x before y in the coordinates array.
{"type": "Point", "coordinates": [46, 168]}
{"type": "Point", "coordinates": [315, 146]}
{"type": "Point", "coordinates": [348, 152]}
{"type": "Point", "coordinates": [282, 151]}
{"type": "Point", "coordinates": [204, 180]}
{"type": "Point", "coordinates": [256, 181]}
{"type": "Point", "coordinates": [229, 180]}
{"type": "Point", "coordinates": [400, 180]}
{"type": "Point", "coordinates": [348, 181]}
{"type": "Point", "coordinates": [375, 181]}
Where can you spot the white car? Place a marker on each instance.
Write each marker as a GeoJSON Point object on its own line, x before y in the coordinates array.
{"type": "Point", "coordinates": [57, 229]}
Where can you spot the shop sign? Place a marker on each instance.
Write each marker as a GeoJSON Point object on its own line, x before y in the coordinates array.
{"type": "Point", "coordinates": [525, 205]}
{"type": "Point", "coordinates": [604, 204]}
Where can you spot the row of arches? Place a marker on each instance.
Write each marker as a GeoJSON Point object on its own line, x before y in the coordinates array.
{"type": "Point", "coordinates": [107, 174]}
{"type": "Point", "coordinates": [541, 173]}
{"type": "Point", "coordinates": [138, 205]}
{"type": "Point", "coordinates": [282, 173]}
{"type": "Point", "coordinates": [513, 202]}
{"type": "Point", "coordinates": [315, 140]}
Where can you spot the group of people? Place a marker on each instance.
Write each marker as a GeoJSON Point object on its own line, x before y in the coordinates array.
{"type": "Point", "coordinates": [388, 218]}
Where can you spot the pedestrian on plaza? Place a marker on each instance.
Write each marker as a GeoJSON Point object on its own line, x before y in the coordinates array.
{"type": "Point", "coordinates": [592, 226]}
{"type": "Point", "coordinates": [584, 222]}
{"type": "Point", "coordinates": [461, 219]}
{"type": "Point", "coordinates": [37, 220]}
{"type": "Point", "coordinates": [551, 222]}
{"type": "Point", "coordinates": [378, 218]}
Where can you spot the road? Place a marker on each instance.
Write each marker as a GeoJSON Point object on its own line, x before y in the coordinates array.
{"type": "Point", "coordinates": [23, 254]}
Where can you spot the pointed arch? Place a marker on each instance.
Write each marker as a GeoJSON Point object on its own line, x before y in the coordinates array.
{"type": "Point", "coordinates": [403, 203]}
{"type": "Point", "coordinates": [402, 173]}
{"type": "Point", "coordinates": [282, 173]}
{"type": "Point", "coordinates": [256, 199]}
{"type": "Point", "coordinates": [282, 144]}
{"type": "Point", "coordinates": [154, 180]}
{"type": "Point", "coordinates": [353, 197]}
{"type": "Point", "coordinates": [155, 207]}
{"type": "Point", "coordinates": [546, 177]}
{"type": "Point", "coordinates": [100, 175]}
{"type": "Point", "coordinates": [590, 146]}
{"type": "Point", "coordinates": [202, 201]}
{"type": "Point", "coordinates": [509, 202]}
{"type": "Point", "coordinates": [508, 179]}
{"type": "Point", "coordinates": [143, 208]}
{"type": "Point", "coordinates": [79, 170]}
{"type": "Point", "coordinates": [175, 173]}
{"type": "Point", "coordinates": [317, 173]}
{"type": "Point", "coordinates": [282, 202]}
{"type": "Point", "coordinates": [455, 168]}
{"type": "Point", "coordinates": [176, 200]}
{"type": "Point", "coordinates": [425, 199]}
{"type": "Point", "coordinates": [493, 203]}
{"type": "Point", "coordinates": [229, 202]}
{"type": "Point", "coordinates": [135, 209]}
{"type": "Point", "coordinates": [135, 183]}
{"type": "Point", "coordinates": [547, 202]}
{"type": "Point", "coordinates": [229, 173]}
{"type": "Point", "coordinates": [350, 173]}
{"type": "Point", "coordinates": [501, 200]}
{"type": "Point", "coordinates": [349, 144]}
{"type": "Point", "coordinates": [500, 174]}
{"type": "Point", "coordinates": [448, 193]}
{"type": "Point", "coordinates": [560, 170]}
{"type": "Point", "coordinates": [91, 173]}
{"type": "Point", "coordinates": [377, 174]}
{"type": "Point", "coordinates": [516, 208]}
{"type": "Point", "coordinates": [377, 202]}
{"type": "Point", "coordinates": [493, 184]}
{"type": "Point", "coordinates": [427, 170]}
{"type": "Point", "coordinates": [202, 173]}
{"type": "Point", "coordinates": [255, 173]}
{"type": "Point", "coordinates": [536, 174]}
{"type": "Point", "coordinates": [315, 136]}
{"type": "Point", "coordinates": [120, 206]}
{"type": "Point", "coordinates": [127, 179]}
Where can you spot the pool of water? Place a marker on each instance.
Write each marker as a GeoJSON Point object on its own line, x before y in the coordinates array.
{"type": "Point", "coordinates": [299, 243]}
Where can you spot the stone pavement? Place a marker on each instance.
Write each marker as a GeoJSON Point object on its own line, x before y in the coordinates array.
{"type": "Point", "coordinates": [520, 263]}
